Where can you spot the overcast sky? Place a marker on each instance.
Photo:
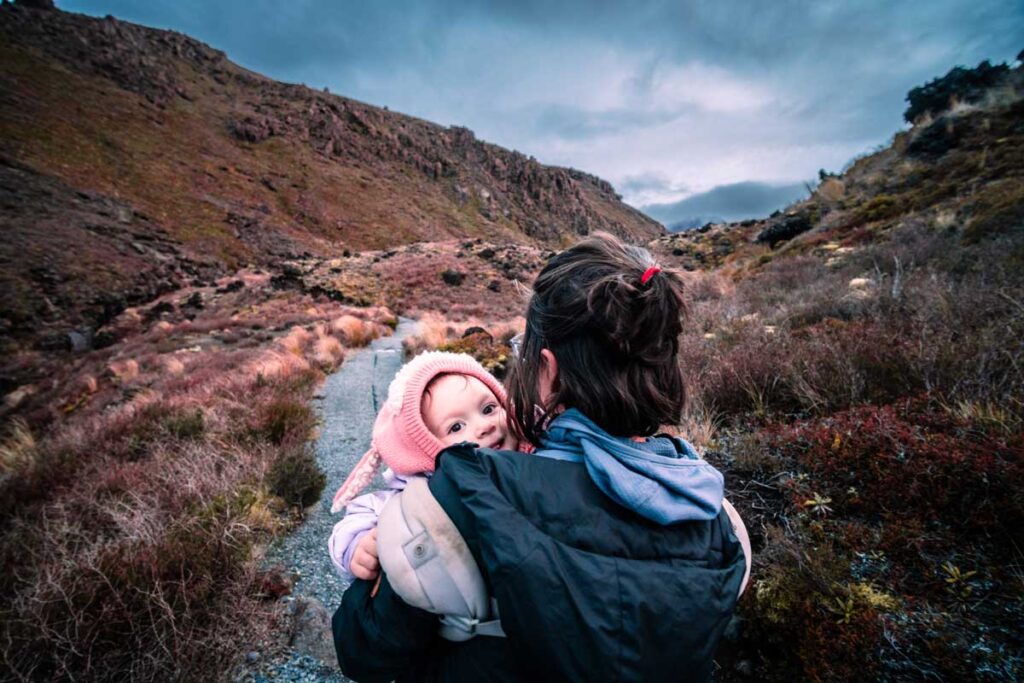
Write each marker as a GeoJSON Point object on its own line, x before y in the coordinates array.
{"type": "Point", "coordinates": [667, 100]}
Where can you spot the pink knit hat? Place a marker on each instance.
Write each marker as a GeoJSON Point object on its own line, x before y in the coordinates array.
{"type": "Point", "coordinates": [400, 437]}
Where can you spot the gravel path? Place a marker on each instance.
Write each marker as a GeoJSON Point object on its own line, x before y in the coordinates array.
{"type": "Point", "coordinates": [347, 404]}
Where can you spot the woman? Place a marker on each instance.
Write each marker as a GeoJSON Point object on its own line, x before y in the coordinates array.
{"type": "Point", "coordinates": [608, 551]}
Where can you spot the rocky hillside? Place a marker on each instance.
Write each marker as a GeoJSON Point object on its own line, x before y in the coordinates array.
{"type": "Point", "coordinates": [133, 160]}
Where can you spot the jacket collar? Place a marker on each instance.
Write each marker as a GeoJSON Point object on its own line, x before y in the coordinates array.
{"type": "Point", "coordinates": [662, 478]}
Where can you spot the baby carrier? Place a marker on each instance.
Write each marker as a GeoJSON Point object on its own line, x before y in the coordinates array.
{"type": "Point", "coordinates": [430, 566]}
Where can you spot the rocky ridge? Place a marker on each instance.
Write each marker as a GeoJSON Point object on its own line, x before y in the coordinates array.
{"type": "Point", "coordinates": [504, 191]}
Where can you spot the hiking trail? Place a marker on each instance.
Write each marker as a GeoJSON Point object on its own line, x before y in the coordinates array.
{"type": "Point", "coordinates": [346, 404]}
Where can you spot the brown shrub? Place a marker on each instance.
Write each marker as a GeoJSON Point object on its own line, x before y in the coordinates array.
{"type": "Point", "coordinates": [283, 420]}
{"type": "Point", "coordinates": [296, 478]}
{"type": "Point", "coordinates": [908, 460]}
{"type": "Point", "coordinates": [795, 337]}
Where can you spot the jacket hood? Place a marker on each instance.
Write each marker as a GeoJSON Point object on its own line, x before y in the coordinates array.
{"type": "Point", "coordinates": [662, 478]}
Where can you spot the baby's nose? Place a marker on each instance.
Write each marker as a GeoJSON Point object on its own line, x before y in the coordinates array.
{"type": "Point", "coordinates": [485, 426]}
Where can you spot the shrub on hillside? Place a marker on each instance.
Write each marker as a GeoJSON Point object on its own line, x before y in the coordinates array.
{"type": "Point", "coordinates": [937, 138]}
{"type": "Point", "coordinates": [879, 208]}
{"type": "Point", "coordinates": [131, 501]}
{"type": "Point", "coordinates": [284, 420]}
{"type": "Point", "coordinates": [997, 210]}
{"type": "Point", "coordinates": [959, 84]}
{"type": "Point", "coordinates": [900, 534]}
{"type": "Point", "coordinates": [493, 354]}
{"type": "Point", "coordinates": [798, 336]}
{"type": "Point", "coordinates": [804, 610]}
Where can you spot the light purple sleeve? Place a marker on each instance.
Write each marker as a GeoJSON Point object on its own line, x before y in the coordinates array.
{"type": "Point", "coordinates": [360, 518]}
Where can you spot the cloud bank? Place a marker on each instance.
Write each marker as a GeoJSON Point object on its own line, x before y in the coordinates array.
{"type": "Point", "coordinates": [734, 202]}
{"type": "Point", "coordinates": [666, 99]}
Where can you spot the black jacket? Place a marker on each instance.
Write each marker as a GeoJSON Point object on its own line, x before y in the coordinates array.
{"type": "Point", "coordinates": [587, 589]}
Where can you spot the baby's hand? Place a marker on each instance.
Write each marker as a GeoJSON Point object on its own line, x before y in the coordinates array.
{"type": "Point", "coordinates": [364, 561]}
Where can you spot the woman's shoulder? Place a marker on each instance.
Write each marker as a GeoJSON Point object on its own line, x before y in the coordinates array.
{"type": "Point", "coordinates": [511, 484]}
{"type": "Point", "coordinates": [472, 465]}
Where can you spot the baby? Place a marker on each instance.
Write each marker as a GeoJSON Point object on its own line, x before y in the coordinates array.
{"type": "Point", "coordinates": [436, 400]}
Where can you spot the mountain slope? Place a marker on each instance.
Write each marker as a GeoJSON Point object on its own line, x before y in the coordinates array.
{"type": "Point", "coordinates": [856, 368]}
{"type": "Point", "coordinates": [173, 126]}
{"type": "Point", "coordinates": [224, 167]}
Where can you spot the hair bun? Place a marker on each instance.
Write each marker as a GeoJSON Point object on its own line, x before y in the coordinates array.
{"type": "Point", "coordinates": [641, 319]}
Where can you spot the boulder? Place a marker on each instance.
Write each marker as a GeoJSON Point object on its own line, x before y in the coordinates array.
{"type": "Point", "coordinates": [81, 340]}
{"type": "Point", "coordinates": [453, 278]}
{"type": "Point", "coordinates": [254, 128]}
{"type": "Point", "coordinates": [311, 630]}
{"type": "Point", "coordinates": [783, 228]}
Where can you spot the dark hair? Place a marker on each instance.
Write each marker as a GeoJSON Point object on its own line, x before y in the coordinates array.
{"type": "Point", "coordinates": [616, 341]}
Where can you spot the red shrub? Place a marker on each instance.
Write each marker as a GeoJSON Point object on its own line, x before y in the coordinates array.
{"type": "Point", "coordinates": [906, 461]}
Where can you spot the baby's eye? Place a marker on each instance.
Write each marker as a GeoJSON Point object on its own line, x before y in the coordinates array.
{"type": "Point", "coordinates": [490, 408]}
{"type": "Point", "coordinates": [455, 428]}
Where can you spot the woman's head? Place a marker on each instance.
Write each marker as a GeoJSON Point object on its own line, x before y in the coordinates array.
{"type": "Point", "coordinates": [614, 339]}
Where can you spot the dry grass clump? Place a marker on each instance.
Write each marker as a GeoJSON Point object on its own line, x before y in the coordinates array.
{"type": "Point", "coordinates": [328, 352]}
{"type": "Point", "coordinates": [488, 343]}
{"type": "Point", "coordinates": [17, 451]}
{"type": "Point", "coordinates": [131, 534]}
{"type": "Point", "coordinates": [137, 482]}
{"type": "Point", "coordinates": [355, 332]}
{"type": "Point", "coordinates": [699, 426]}
{"type": "Point", "coordinates": [295, 341]}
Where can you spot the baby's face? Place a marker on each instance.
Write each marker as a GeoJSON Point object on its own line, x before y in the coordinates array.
{"type": "Point", "coordinates": [461, 408]}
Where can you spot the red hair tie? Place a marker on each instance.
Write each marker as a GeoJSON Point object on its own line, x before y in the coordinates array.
{"type": "Point", "coordinates": [648, 274]}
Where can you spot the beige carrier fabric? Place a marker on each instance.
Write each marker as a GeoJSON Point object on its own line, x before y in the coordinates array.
{"type": "Point", "coordinates": [430, 567]}
{"type": "Point", "coordinates": [743, 537]}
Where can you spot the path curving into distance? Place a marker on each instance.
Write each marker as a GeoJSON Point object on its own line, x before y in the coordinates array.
{"type": "Point", "coordinates": [347, 404]}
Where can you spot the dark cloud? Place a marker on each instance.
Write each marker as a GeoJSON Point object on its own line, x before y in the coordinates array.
{"type": "Point", "coordinates": [574, 123]}
{"type": "Point", "coordinates": [650, 183]}
{"type": "Point", "coordinates": [701, 94]}
{"type": "Point", "coordinates": [727, 203]}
